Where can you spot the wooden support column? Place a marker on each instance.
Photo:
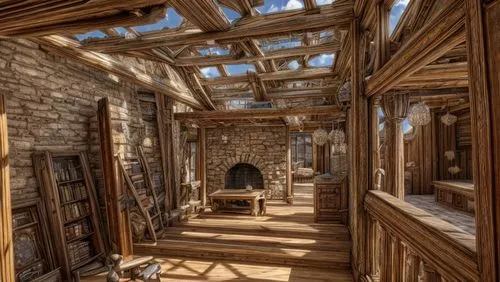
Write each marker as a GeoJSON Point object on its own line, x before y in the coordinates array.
{"type": "Point", "coordinates": [202, 133]}
{"type": "Point", "coordinates": [430, 274]}
{"type": "Point", "coordinates": [358, 144]}
{"type": "Point", "coordinates": [483, 47]}
{"type": "Point", "coordinates": [289, 190]}
{"type": "Point", "coordinates": [7, 272]}
{"type": "Point", "coordinates": [117, 216]}
{"type": "Point", "coordinates": [395, 108]}
{"type": "Point", "coordinates": [374, 140]}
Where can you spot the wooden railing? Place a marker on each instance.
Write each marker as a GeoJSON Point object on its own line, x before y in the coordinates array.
{"type": "Point", "coordinates": [406, 243]}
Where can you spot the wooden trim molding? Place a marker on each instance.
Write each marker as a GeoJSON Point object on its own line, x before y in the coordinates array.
{"type": "Point", "coordinates": [6, 245]}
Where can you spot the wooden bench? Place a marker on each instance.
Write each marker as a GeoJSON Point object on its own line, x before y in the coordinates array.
{"type": "Point", "coordinates": [222, 197]}
{"type": "Point", "coordinates": [458, 194]}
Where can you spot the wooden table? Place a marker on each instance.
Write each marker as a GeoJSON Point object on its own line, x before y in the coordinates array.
{"type": "Point", "coordinates": [256, 198]}
{"type": "Point", "coordinates": [458, 194]}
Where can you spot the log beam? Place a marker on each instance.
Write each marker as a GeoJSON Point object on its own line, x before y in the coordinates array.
{"type": "Point", "coordinates": [69, 48]}
{"type": "Point", "coordinates": [258, 113]}
{"type": "Point", "coordinates": [310, 73]}
{"type": "Point", "coordinates": [338, 14]}
{"type": "Point", "coordinates": [271, 55]}
{"type": "Point", "coordinates": [438, 36]}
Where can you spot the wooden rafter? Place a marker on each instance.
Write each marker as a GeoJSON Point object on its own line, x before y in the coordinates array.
{"type": "Point", "coordinates": [38, 17]}
{"type": "Point", "coordinates": [279, 75]}
{"type": "Point", "coordinates": [63, 46]}
{"type": "Point", "coordinates": [257, 113]}
{"type": "Point", "coordinates": [271, 55]}
{"type": "Point", "coordinates": [264, 26]}
{"type": "Point", "coordinates": [205, 14]}
{"type": "Point", "coordinates": [438, 36]}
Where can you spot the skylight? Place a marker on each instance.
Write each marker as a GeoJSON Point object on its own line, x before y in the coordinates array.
{"type": "Point", "coordinates": [323, 60]}
{"type": "Point", "coordinates": [213, 51]}
{"type": "Point", "coordinates": [91, 34]}
{"type": "Point", "coordinates": [239, 69]}
{"type": "Point", "coordinates": [293, 65]}
{"type": "Point", "coordinates": [210, 72]}
{"type": "Point", "coordinates": [396, 12]}
{"type": "Point", "coordinates": [231, 14]}
{"type": "Point", "coordinates": [172, 20]}
{"type": "Point", "coordinates": [238, 104]}
{"type": "Point", "coordinates": [280, 43]}
{"type": "Point", "coordinates": [121, 31]}
{"type": "Point", "coordinates": [276, 6]}
{"type": "Point", "coordinates": [324, 2]}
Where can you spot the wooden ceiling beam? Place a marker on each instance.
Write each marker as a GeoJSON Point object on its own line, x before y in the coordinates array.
{"type": "Point", "coordinates": [440, 35]}
{"type": "Point", "coordinates": [310, 73]}
{"type": "Point", "coordinates": [69, 48]}
{"type": "Point", "coordinates": [205, 14]}
{"type": "Point", "coordinates": [263, 26]}
{"type": "Point", "coordinates": [271, 55]}
{"type": "Point", "coordinates": [258, 113]}
{"type": "Point", "coordinates": [38, 17]}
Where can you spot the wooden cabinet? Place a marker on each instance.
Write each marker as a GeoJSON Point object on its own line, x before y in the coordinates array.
{"type": "Point", "coordinates": [69, 195]}
{"type": "Point", "coordinates": [330, 199]}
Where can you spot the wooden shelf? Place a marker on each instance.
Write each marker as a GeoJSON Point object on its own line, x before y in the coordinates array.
{"type": "Point", "coordinates": [76, 219]}
{"type": "Point", "coordinates": [74, 201]}
{"type": "Point", "coordinates": [70, 181]}
{"type": "Point", "coordinates": [85, 261]}
{"type": "Point", "coordinates": [81, 237]}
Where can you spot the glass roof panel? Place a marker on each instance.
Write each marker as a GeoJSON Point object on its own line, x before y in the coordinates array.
{"type": "Point", "coordinates": [293, 65]}
{"type": "Point", "coordinates": [213, 51]}
{"type": "Point", "coordinates": [210, 72]}
{"type": "Point", "coordinates": [172, 20]}
{"type": "Point", "coordinates": [239, 69]}
{"type": "Point", "coordinates": [323, 60]}
{"type": "Point", "coordinates": [276, 6]}
{"type": "Point", "coordinates": [231, 14]}
{"type": "Point", "coordinates": [91, 34]}
{"type": "Point", "coordinates": [396, 12]}
{"type": "Point", "coordinates": [121, 30]}
{"type": "Point", "coordinates": [280, 43]}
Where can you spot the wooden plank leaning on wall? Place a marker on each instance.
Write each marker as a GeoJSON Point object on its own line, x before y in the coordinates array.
{"type": "Point", "coordinates": [6, 245]}
{"type": "Point", "coordinates": [483, 46]}
{"type": "Point", "coordinates": [118, 218]}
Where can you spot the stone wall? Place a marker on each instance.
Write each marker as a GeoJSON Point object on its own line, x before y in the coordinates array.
{"type": "Point", "coordinates": [51, 105]}
{"type": "Point", "coordinates": [262, 147]}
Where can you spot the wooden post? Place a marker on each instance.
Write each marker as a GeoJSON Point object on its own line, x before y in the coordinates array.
{"type": "Point", "coordinates": [358, 144]}
{"type": "Point", "coordinates": [117, 217]}
{"type": "Point", "coordinates": [412, 267]}
{"type": "Point", "coordinates": [289, 191]}
{"type": "Point", "coordinates": [374, 139]}
{"type": "Point", "coordinates": [7, 272]}
{"type": "Point", "coordinates": [483, 46]}
{"type": "Point", "coordinates": [395, 108]}
{"type": "Point", "coordinates": [430, 274]}
{"type": "Point", "coordinates": [203, 165]}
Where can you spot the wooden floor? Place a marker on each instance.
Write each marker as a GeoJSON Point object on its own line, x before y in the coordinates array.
{"type": "Point", "coordinates": [284, 245]}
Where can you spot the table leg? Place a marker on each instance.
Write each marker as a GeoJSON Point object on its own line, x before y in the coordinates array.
{"type": "Point", "coordinates": [255, 207]}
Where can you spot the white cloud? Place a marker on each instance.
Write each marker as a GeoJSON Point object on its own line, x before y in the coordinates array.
{"type": "Point", "coordinates": [210, 72]}
{"type": "Point", "coordinates": [272, 9]}
{"type": "Point", "coordinates": [294, 5]}
{"type": "Point", "coordinates": [293, 65]}
{"type": "Point", "coordinates": [324, 2]}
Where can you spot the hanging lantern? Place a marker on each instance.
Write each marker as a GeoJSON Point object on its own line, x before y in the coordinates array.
{"type": "Point", "coordinates": [320, 136]}
{"type": "Point", "coordinates": [419, 115]}
{"type": "Point", "coordinates": [448, 119]}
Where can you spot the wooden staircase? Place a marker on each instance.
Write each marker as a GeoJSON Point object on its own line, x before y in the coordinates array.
{"type": "Point", "coordinates": [286, 236]}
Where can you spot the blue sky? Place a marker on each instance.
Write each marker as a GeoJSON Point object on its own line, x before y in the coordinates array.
{"type": "Point", "coordinates": [323, 60]}
{"type": "Point", "coordinates": [90, 34]}
{"type": "Point", "coordinates": [172, 20]}
{"type": "Point", "coordinates": [231, 14]}
{"type": "Point", "coordinates": [210, 72]}
{"type": "Point", "coordinates": [407, 128]}
{"type": "Point", "coordinates": [213, 51]}
{"type": "Point", "coordinates": [239, 69]}
{"type": "Point", "coordinates": [396, 13]}
{"type": "Point", "coordinates": [274, 6]}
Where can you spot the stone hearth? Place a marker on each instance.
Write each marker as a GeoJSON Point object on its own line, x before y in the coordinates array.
{"type": "Point", "coordinates": [261, 147]}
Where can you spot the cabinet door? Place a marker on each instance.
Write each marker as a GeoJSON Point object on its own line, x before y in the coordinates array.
{"type": "Point", "coordinates": [328, 199]}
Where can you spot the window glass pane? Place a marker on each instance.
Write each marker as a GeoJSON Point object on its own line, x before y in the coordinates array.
{"type": "Point", "coordinates": [396, 12]}
{"type": "Point", "coordinates": [309, 155]}
{"type": "Point", "coordinates": [192, 162]}
{"type": "Point", "coordinates": [301, 150]}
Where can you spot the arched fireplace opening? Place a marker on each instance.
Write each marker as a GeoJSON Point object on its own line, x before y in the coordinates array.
{"type": "Point", "coordinates": [243, 174]}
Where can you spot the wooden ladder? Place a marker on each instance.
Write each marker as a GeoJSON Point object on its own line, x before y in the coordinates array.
{"type": "Point", "coordinates": [137, 177]}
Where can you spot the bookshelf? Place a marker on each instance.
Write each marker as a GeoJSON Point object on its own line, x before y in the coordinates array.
{"type": "Point", "coordinates": [67, 187]}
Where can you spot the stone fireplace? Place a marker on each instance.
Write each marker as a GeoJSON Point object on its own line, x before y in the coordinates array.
{"type": "Point", "coordinates": [248, 154]}
{"type": "Point", "coordinates": [241, 175]}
